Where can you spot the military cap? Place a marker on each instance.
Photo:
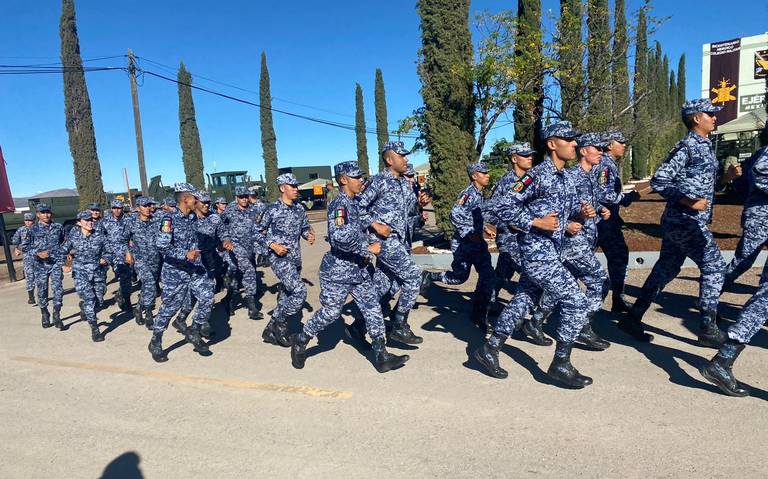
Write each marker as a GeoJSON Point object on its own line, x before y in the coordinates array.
{"type": "Point", "coordinates": [615, 135]}
{"type": "Point", "coordinates": [478, 167]}
{"type": "Point", "coordinates": [591, 139]}
{"type": "Point", "coordinates": [84, 215]}
{"type": "Point", "coordinates": [168, 201]}
{"type": "Point", "coordinates": [116, 204]}
{"type": "Point", "coordinates": [94, 206]}
{"type": "Point", "coordinates": [409, 170]}
{"type": "Point", "coordinates": [144, 201]}
{"type": "Point", "coordinates": [221, 200]}
{"type": "Point", "coordinates": [41, 207]}
{"type": "Point", "coordinates": [559, 129]}
{"type": "Point", "coordinates": [242, 191]}
{"type": "Point", "coordinates": [699, 105]}
{"type": "Point", "coordinates": [253, 193]}
{"type": "Point", "coordinates": [349, 168]}
{"type": "Point", "coordinates": [29, 217]}
{"type": "Point", "coordinates": [184, 188]}
{"type": "Point", "coordinates": [203, 196]}
{"type": "Point", "coordinates": [396, 146]}
{"type": "Point", "coordinates": [287, 179]}
{"type": "Point", "coordinates": [522, 149]}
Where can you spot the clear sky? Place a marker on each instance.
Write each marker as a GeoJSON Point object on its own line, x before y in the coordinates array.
{"type": "Point", "coordinates": [316, 52]}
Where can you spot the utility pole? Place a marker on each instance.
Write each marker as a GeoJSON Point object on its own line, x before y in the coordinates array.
{"type": "Point", "coordinates": [137, 122]}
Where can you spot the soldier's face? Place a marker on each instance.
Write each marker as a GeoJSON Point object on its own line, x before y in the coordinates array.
{"type": "Point", "coordinates": [591, 154]}
{"type": "Point", "coordinates": [220, 207]}
{"type": "Point", "coordinates": [355, 185]}
{"type": "Point", "coordinates": [203, 206]}
{"type": "Point", "coordinates": [87, 225]}
{"type": "Point", "coordinates": [95, 214]}
{"type": "Point", "coordinates": [481, 178]}
{"type": "Point", "coordinates": [28, 222]}
{"type": "Point", "coordinates": [44, 216]}
{"type": "Point", "coordinates": [564, 148]}
{"type": "Point", "coordinates": [290, 191]}
{"type": "Point", "coordinates": [117, 212]}
{"type": "Point", "coordinates": [617, 149]}
{"type": "Point", "coordinates": [145, 210]}
{"type": "Point", "coordinates": [523, 162]}
{"type": "Point", "coordinates": [242, 201]}
{"type": "Point", "coordinates": [707, 121]}
{"type": "Point", "coordinates": [253, 200]}
{"type": "Point", "coordinates": [398, 163]}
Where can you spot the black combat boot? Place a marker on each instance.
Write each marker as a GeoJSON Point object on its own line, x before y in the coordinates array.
{"type": "Point", "coordinates": [149, 320]}
{"type": "Point", "coordinates": [127, 306]}
{"type": "Point", "coordinates": [589, 338]}
{"type": "Point", "coordinates": [488, 356]}
{"type": "Point", "coordinates": [46, 316]}
{"type": "Point", "coordinates": [31, 296]}
{"type": "Point", "coordinates": [156, 347]}
{"type": "Point", "coordinates": [83, 317]}
{"type": "Point", "coordinates": [618, 303]}
{"type": "Point", "coordinates": [562, 370]}
{"type": "Point", "coordinates": [275, 333]}
{"type": "Point", "coordinates": [138, 316]}
{"type": "Point", "coordinates": [281, 334]}
{"type": "Point", "coordinates": [426, 282]}
{"type": "Point", "coordinates": [119, 300]}
{"type": "Point", "coordinates": [383, 361]}
{"type": "Point", "coordinates": [205, 330]}
{"type": "Point", "coordinates": [356, 331]}
{"type": "Point", "coordinates": [631, 322]}
{"type": "Point", "coordinates": [710, 336]}
{"type": "Point", "coordinates": [532, 328]}
{"type": "Point", "coordinates": [180, 322]}
{"type": "Point", "coordinates": [57, 318]}
{"type": "Point", "coordinates": [719, 372]}
{"type": "Point", "coordinates": [96, 335]}
{"type": "Point", "coordinates": [401, 332]}
{"type": "Point", "coordinates": [479, 315]}
{"type": "Point", "coordinates": [253, 313]}
{"type": "Point", "coordinates": [299, 343]}
{"type": "Point", "coordinates": [193, 336]}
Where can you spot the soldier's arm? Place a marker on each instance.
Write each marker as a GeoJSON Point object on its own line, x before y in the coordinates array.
{"type": "Point", "coordinates": [261, 231]}
{"type": "Point", "coordinates": [461, 215]}
{"type": "Point", "coordinates": [306, 229]}
{"type": "Point", "coordinates": [341, 234]}
{"type": "Point", "coordinates": [760, 172]}
{"type": "Point", "coordinates": [165, 243]}
{"type": "Point", "coordinates": [16, 240]}
{"type": "Point", "coordinates": [366, 199]}
{"type": "Point", "coordinates": [512, 207]}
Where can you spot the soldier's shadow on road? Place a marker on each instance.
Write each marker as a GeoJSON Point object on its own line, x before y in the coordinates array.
{"type": "Point", "coordinates": [124, 466]}
{"type": "Point", "coordinates": [219, 321]}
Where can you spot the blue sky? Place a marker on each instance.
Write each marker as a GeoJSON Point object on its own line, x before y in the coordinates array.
{"type": "Point", "coordinates": [316, 51]}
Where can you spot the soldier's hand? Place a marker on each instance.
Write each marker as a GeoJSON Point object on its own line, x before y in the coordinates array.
{"type": "Point", "coordinates": [193, 254]}
{"type": "Point", "coordinates": [547, 223]}
{"type": "Point", "coordinates": [103, 262]}
{"type": "Point", "coordinates": [42, 255]}
{"type": "Point", "coordinates": [490, 231]}
{"type": "Point", "coordinates": [382, 230]}
{"type": "Point", "coordinates": [16, 252]}
{"type": "Point", "coordinates": [374, 248]}
{"type": "Point", "coordinates": [279, 249]}
{"type": "Point", "coordinates": [128, 258]}
{"type": "Point", "coordinates": [605, 213]}
{"type": "Point", "coordinates": [587, 211]}
{"type": "Point", "coordinates": [573, 228]}
{"type": "Point", "coordinates": [424, 198]}
{"type": "Point", "coordinates": [228, 245]}
{"type": "Point", "coordinates": [424, 216]}
{"type": "Point", "coordinates": [311, 237]}
{"type": "Point", "coordinates": [66, 268]}
{"type": "Point", "coordinates": [699, 204]}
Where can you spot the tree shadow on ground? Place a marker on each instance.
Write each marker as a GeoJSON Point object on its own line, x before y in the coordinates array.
{"type": "Point", "coordinates": [124, 466]}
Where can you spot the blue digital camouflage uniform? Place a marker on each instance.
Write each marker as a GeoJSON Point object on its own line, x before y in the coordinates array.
{"type": "Point", "coordinates": [690, 171]}
{"type": "Point", "coordinates": [241, 225]}
{"type": "Point", "coordinates": [28, 260]}
{"type": "Point", "coordinates": [117, 245]}
{"type": "Point", "coordinates": [346, 269]}
{"type": "Point", "coordinates": [754, 314]}
{"type": "Point", "coordinates": [87, 251]}
{"type": "Point", "coordinates": [754, 218]}
{"type": "Point", "coordinates": [286, 225]}
{"type": "Point", "coordinates": [47, 238]}
{"type": "Point", "coordinates": [142, 238]}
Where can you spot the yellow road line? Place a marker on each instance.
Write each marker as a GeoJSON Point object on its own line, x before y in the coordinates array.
{"type": "Point", "coordinates": [232, 383]}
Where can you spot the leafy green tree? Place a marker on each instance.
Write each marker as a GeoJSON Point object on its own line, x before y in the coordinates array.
{"type": "Point", "coordinates": [569, 51]}
{"type": "Point", "coordinates": [640, 146]}
{"type": "Point", "coordinates": [529, 109]}
{"type": "Point", "coordinates": [599, 92]}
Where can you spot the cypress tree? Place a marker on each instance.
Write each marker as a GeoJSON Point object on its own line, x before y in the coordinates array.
{"type": "Point", "coordinates": [191, 150]}
{"type": "Point", "coordinates": [570, 50]}
{"type": "Point", "coordinates": [449, 107]}
{"type": "Point", "coordinates": [641, 147]}
{"type": "Point", "coordinates": [672, 98]}
{"type": "Point", "coordinates": [598, 66]}
{"type": "Point", "coordinates": [382, 127]}
{"type": "Point", "coordinates": [620, 81]}
{"type": "Point", "coordinates": [528, 44]}
{"type": "Point", "coordinates": [362, 144]}
{"type": "Point", "coordinates": [77, 109]}
{"type": "Point", "coordinates": [680, 94]}
{"type": "Point", "coordinates": [268, 138]}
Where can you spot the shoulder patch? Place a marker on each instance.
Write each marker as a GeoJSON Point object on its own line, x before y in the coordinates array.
{"type": "Point", "coordinates": [166, 225]}
{"type": "Point", "coordinates": [602, 178]}
{"type": "Point", "coordinates": [462, 199]}
{"type": "Point", "coordinates": [340, 216]}
{"type": "Point", "coordinates": [523, 183]}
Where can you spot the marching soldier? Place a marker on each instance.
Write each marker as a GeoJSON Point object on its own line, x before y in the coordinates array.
{"type": "Point", "coordinates": [141, 235]}
{"type": "Point", "coordinates": [28, 260]}
{"type": "Point", "coordinates": [44, 243]}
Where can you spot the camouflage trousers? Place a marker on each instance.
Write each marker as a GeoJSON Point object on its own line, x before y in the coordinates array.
{"type": "Point", "coordinates": [754, 314]}
{"type": "Point", "coordinates": [333, 296]}
{"type": "Point", "coordinates": [611, 240]}
{"type": "Point", "coordinates": [586, 268]}
{"type": "Point", "coordinates": [85, 279]}
{"type": "Point", "coordinates": [244, 261]}
{"type": "Point", "coordinates": [43, 271]}
{"type": "Point", "coordinates": [293, 293]}
{"type": "Point", "coordinates": [396, 261]}
{"type": "Point", "coordinates": [177, 284]}
{"type": "Point", "coordinates": [466, 254]}
{"type": "Point", "coordinates": [122, 272]}
{"type": "Point", "coordinates": [29, 271]}
{"type": "Point", "coordinates": [148, 273]}
{"type": "Point", "coordinates": [681, 238]}
{"type": "Point", "coordinates": [753, 240]}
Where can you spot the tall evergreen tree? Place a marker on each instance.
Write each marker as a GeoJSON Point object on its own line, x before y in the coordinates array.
{"type": "Point", "coordinates": [680, 92]}
{"type": "Point", "coordinates": [570, 54]}
{"type": "Point", "coordinates": [449, 109]}
{"type": "Point", "coordinates": [598, 66]}
{"type": "Point", "coordinates": [77, 109]}
{"type": "Point", "coordinates": [620, 70]}
{"type": "Point", "coordinates": [382, 126]}
{"type": "Point", "coordinates": [362, 143]}
{"type": "Point", "coordinates": [268, 138]}
{"type": "Point", "coordinates": [189, 136]}
{"type": "Point", "coordinates": [528, 49]}
{"type": "Point", "coordinates": [641, 147]}
{"type": "Point", "coordinates": [672, 108]}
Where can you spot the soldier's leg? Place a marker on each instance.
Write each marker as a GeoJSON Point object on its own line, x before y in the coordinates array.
{"type": "Point", "coordinates": [366, 299]}
{"type": "Point", "coordinates": [460, 266]}
{"type": "Point", "coordinates": [289, 302]}
{"type": "Point", "coordinates": [504, 270]}
{"type": "Point", "coordinates": [397, 260]}
{"type": "Point", "coordinates": [123, 274]}
{"type": "Point", "coordinates": [57, 292]}
{"type": "Point", "coordinates": [751, 243]}
{"type": "Point", "coordinates": [42, 273]}
{"type": "Point", "coordinates": [706, 254]}
{"type": "Point", "coordinates": [333, 295]}
{"type": "Point", "coordinates": [247, 266]}
{"type": "Point", "coordinates": [175, 286]}
{"type": "Point", "coordinates": [201, 288]}
{"type": "Point", "coordinates": [485, 288]}
{"type": "Point", "coordinates": [611, 239]}
{"type": "Point", "coordinates": [29, 271]}
{"type": "Point", "coordinates": [102, 272]}
{"type": "Point", "coordinates": [587, 268]}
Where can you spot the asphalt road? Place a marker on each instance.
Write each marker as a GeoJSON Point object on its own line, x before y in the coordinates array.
{"type": "Point", "coordinates": [73, 408]}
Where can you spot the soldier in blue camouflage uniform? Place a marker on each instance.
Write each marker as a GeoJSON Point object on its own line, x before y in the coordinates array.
{"type": "Point", "coordinates": [101, 276]}
{"type": "Point", "coordinates": [113, 228]}
{"type": "Point", "coordinates": [27, 260]}
{"type": "Point", "coordinates": [88, 247]}
{"type": "Point", "coordinates": [346, 270]}
{"type": "Point", "coordinates": [468, 246]}
{"type": "Point", "coordinates": [284, 223]}
{"type": "Point", "coordinates": [141, 232]}
{"type": "Point", "coordinates": [241, 220]}
{"type": "Point", "coordinates": [540, 204]}
{"type": "Point", "coordinates": [44, 244]}
{"type": "Point", "coordinates": [609, 235]}
{"type": "Point", "coordinates": [521, 157]}
{"type": "Point", "coordinates": [415, 214]}
{"type": "Point", "coordinates": [754, 217]}
{"type": "Point", "coordinates": [687, 180]}
{"type": "Point", "coordinates": [218, 209]}
{"type": "Point", "coordinates": [385, 204]}
{"type": "Point", "coordinates": [183, 272]}
{"type": "Point", "coordinates": [580, 240]}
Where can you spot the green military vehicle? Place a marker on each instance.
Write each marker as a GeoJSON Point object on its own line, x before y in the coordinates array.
{"type": "Point", "coordinates": [224, 183]}
{"type": "Point", "coordinates": [64, 209]}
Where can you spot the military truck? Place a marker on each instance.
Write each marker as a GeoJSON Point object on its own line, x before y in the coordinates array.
{"type": "Point", "coordinates": [64, 209]}
{"type": "Point", "coordinates": [224, 183]}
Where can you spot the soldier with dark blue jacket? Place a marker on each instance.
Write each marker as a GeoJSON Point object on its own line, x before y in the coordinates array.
{"type": "Point", "coordinates": [687, 180]}
{"type": "Point", "coordinates": [346, 269]}
{"type": "Point", "coordinates": [28, 260]}
{"type": "Point", "coordinates": [539, 207]}
{"type": "Point", "coordinates": [283, 224]}
{"type": "Point", "coordinates": [44, 244]}
{"type": "Point", "coordinates": [88, 249]}
{"type": "Point", "coordinates": [610, 238]}
{"type": "Point", "coordinates": [468, 245]}
{"type": "Point", "coordinates": [141, 232]}
{"type": "Point", "coordinates": [113, 228]}
{"type": "Point", "coordinates": [183, 272]}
